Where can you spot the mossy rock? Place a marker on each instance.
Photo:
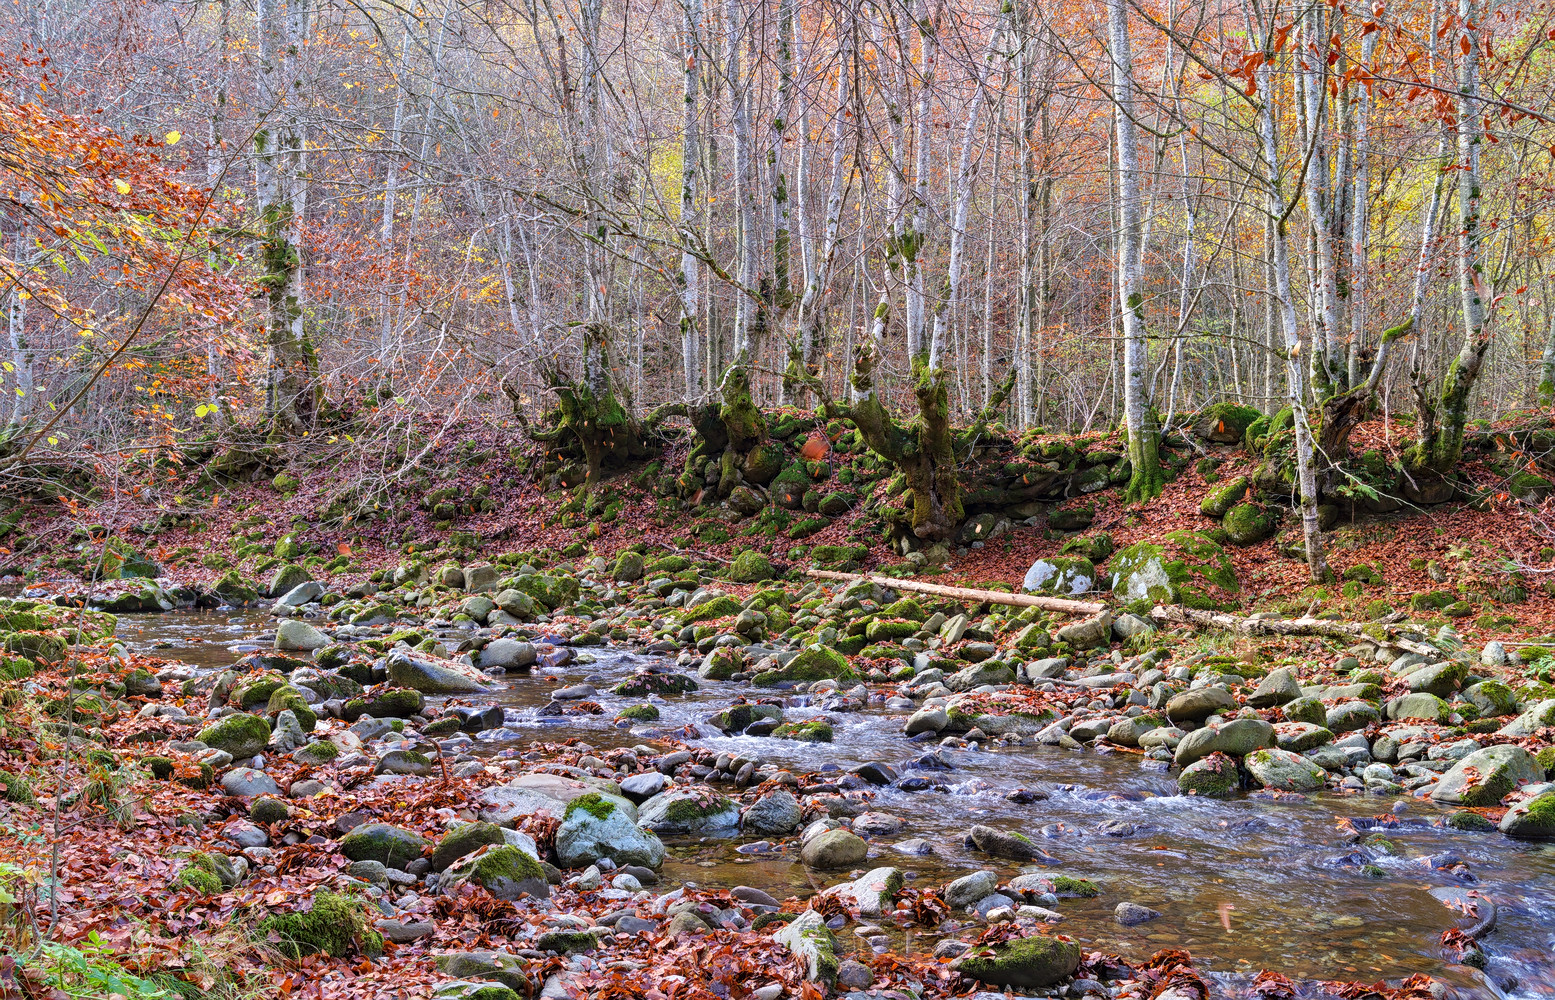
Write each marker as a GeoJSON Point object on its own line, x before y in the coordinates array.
{"type": "Point", "coordinates": [390, 703]}
{"type": "Point", "coordinates": [1184, 568]}
{"type": "Point", "coordinates": [812, 664]}
{"type": "Point", "coordinates": [1247, 524]}
{"type": "Point", "coordinates": [750, 566]}
{"type": "Point", "coordinates": [648, 682]}
{"type": "Point", "coordinates": [1024, 963]}
{"type": "Point", "coordinates": [553, 591]}
{"type": "Point", "coordinates": [388, 845]}
{"type": "Point", "coordinates": [1225, 423]}
{"type": "Point", "coordinates": [465, 840]}
{"type": "Point", "coordinates": [838, 557]}
{"type": "Point", "coordinates": [722, 606]}
{"type": "Point", "coordinates": [334, 926]}
{"type": "Point", "coordinates": [640, 713]}
{"type": "Point", "coordinates": [1224, 497]}
{"type": "Point", "coordinates": [503, 870]}
{"type": "Point", "coordinates": [804, 732]}
{"type": "Point", "coordinates": [242, 735]}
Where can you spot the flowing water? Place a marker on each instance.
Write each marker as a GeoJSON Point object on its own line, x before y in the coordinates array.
{"type": "Point", "coordinates": [1248, 884]}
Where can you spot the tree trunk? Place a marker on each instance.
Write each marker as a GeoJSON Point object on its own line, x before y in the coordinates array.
{"type": "Point", "coordinates": [689, 278]}
{"type": "Point", "coordinates": [1143, 435]}
{"type": "Point", "coordinates": [280, 162]}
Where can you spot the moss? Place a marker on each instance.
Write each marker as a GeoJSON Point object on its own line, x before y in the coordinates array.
{"type": "Point", "coordinates": [333, 925]}
{"type": "Point", "coordinates": [161, 768]}
{"type": "Point", "coordinates": [1469, 822]}
{"type": "Point", "coordinates": [648, 682]}
{"type": "Point", "coordinates": [690, 810]}
{"type": "Point", "coordinates": [722, 606]}
{"type": "Point", "coordinates": [1068, 886]}
{"type": "Point", "coordinates": [505, 862]}
{"type": "Point", "coordinates": [201, 881]}
{"type": "Point", "coordinates": [241, 735]}
{"type": "Point", "coordinates": [640, 713]}
{"type": "Point", "coordinates": [804, 732]}
{"type": "Point", "coordinates": [18, 787]}
{"type": "Point", "coordinates": [591, 803]}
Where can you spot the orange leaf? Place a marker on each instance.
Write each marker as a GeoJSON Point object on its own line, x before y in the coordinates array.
{"type": "Point", "coordinates": [815, 447]}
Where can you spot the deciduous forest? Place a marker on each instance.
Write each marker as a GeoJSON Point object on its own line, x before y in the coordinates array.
{"type": "Point", "coordinates": [760, 499]}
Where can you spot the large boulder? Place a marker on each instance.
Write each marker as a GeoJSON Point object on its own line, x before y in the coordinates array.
{"type": "Point", "coordinates": [508, 654]}
{"type": "Point", "coordinates": [503, 870]}
{"type": "Point", "coordinates": [1222, 498]}
{"type": "Point", "coordinates": [1185, 567]}
{"type": "Point", "coordinates": [465, 840]}
{"type": "Point", "coordinates": [1068, 576]}
{"type": "Point", "coordinates": [834, 849]}
{"type": "Point", "coordinates": [594, 827]}
{"type": "Point", "coordinates": [1488, 775]}
{"type": "Point", "coordinates": [776, 813]}
{"type": "Point", "coordinates": [1225, 422]}
{"type": "Point", "coordinates": [1532, 818]}
{"type": "Point", "coordinates": [1236, 738]}
{"type": "Point", "coordinates": [813, 663]}
{"type": "Point", "coordinates": [750, 566]}
{"type": "Point", "coordinates": [551, 591]}
{"type": "Point", "coordinates": [1531, 721]}
{"type": "Point", "coordinates": [813, 943]}
{"type": "Point", "coordinates": [390, 846]}
{"type": "Point", "coordinates": [296, 636]}
{"type": "Point", "coordinates": [241, 735]}
{"type": "Point", "coordinates": [1024, 963]}
{"type": "Point", "coordinates": [433, 676]}
{"type": "Point", "coordinates": [872, 894]}
{"type": "Point", "coordinates": [1277, 687]}
{"type": "Point", "coordinates": [1247, 524]}
{"type": "Point", "coordinates": [1284, 771]}
{"type": "Point", "coordinates": [693, 812]}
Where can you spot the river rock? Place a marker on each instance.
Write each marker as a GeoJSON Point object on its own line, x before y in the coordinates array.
{"type": "Point", "coordinates": [1133, 914]}
{"type": "Point", "coordinates": [775, 813]}
{"type": "Point", "coordinates": [1419, 705]}
{"type": "Point", "coordinates": [1305, 709]}
{"type": "Point", "coordinates": [1349, 716]}
{"type": "Point", "coordinates": [1236, 738]}
{"type": "Point", "coordinates": [642, 787]}
{"type": "Point", "coordinates": [1024, 963]}
{"type": "Point", "coordinates": [1284, 771]}
{"type": "Point", "coordinates": [1090, 632]}
{"type": "Point", "coordinates": [1491, 698]}
{"type": "Point", "coordinates": [834, 849]}
{"type": "Point", "coordinates": [245, 782]}
{"type": "Point", "coordinates": [928, 720]}
{"type": "Point", "coordinates": [1485, 777]}
{"type": "Point", "coordinates": [465, 840]}
{"type": "Point", "coordinates": [503, 870]}
{"type": "Point", "coordinates": [430, 676]}
{"type": "Point", "coordinates": [694, 812]}
{"type": "Point", "coordinates": [968, 889]}
{"type": "Point", "coordinates": [1214, 776]}
{"type": "Point", "coordinates": [808, 937]}
{"type": "Point", "coordinates": [595, 828]}
{"type": "Point", "coordinates": [1003, 843]}
{"type": "Point", "coordinates": [1537, 717]}
{"type": "Point", "coordinates": [1299, 737]}
{"type": "Point", "coordinates": [1199, 704]}
{"type": "Point", "coordinates": [241, 735]}
{"type": "Point", "coordinates": [1531, 818]}
{"type": "Point", "coordinates": [295, 636]}
{"type": "Point", "coordinates": [389, 845]}
{"type": "Point", "coordinates": [1277, 687]}
{"type": "Point", "coordinates": [494, 966]}
{"type": "Point", "coordinates": [872, 894]}
{"type": "Point", "coordinates": [507, 653]}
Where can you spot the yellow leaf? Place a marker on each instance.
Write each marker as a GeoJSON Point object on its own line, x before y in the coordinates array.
{"type": "Point", "coordinates": [173, 137]}
{"type": "Point", "coordinates": [121, 187]}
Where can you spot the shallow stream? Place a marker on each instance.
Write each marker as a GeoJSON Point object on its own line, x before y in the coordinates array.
{"type": "Point", "coordinates": [1249, 884]}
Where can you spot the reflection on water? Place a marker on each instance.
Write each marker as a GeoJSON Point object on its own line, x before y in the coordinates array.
{"type": "Point", "coordinates": [1244, 885]}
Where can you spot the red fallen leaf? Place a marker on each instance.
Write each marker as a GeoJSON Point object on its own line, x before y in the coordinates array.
{"type": "Point", "coordinates": [343, 549]}
{"type": "Point", "coordinates": [815, 447]}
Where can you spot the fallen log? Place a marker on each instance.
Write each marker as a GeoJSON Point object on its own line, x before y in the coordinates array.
{"type": "Point", "coordinates": [966, 593]}
{"type": "Point", "coordinates": [1382, 633]}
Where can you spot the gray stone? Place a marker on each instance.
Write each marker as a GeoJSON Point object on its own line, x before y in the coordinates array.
{"type": "Point", "coordinates": [1485, 777]}
{"type": "Point", "coordinates": [776, 813]}
{"type": "Point", "coordinates": [809, 939]}
{"type": "Point", "coordinates": [430, 677]}
{"type": "Point", "coordinates": [1091, 632]}
{"type": "Point", "coordinates": [1532, 818]}
{"type": "Point", "coordinates": [296, 636]}
{"type": "Point", "coordinates": [1133, 914]}
{"type": "Point", "coordinates": [246, 781]}
{"type": "Point", "coordinates": [1199, 704]}
{"type": "Point", "coordinates": [834, 849]}
{"type": "Point", "coordinates": [1419, 705]}
{"type": "Point", "coordinates": [1536, 718]}
{"type": "Point", "coordinates": [507, 653]}
{"type": "Point", "coordinates": [1277, 687]}
{"type": "Point", "coordinates": [585, 837]}
{"type": "Point", "coordinates": [1284, 771]}
{"type": "Point", "coordinates": [968, 889]}
{"type": "Point", "coordinates": [1236, 738]}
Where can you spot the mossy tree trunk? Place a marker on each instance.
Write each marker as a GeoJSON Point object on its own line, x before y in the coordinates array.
{"type": "Point", "coordinates": [590, 414]}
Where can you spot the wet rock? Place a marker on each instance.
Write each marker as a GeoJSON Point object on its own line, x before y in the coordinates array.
{"type": "Point", "coordinates": [1531, 818]}
{"type": "Point", "coordinates": [977, 675]}
{"type": "Point", "coordinates": [834, 849]}
{"type": "Point", "coordinates": [775, 813]}
{"type": "Point", "coordinates": [854, 975]}
{"type": "Point", "coordinates": [696, 811]}
{"type": "Point", "coordinates": [1284, 771]}
{"type": "Point", "coordinates": [968, 889]}
{"type": "Point", "coordinates": [1236, 738]}
{"type": "Point", "coordinates": [1025, 963]}
{"type": "Point", "coordinates": [1133, 914]}
{"type": "Point", "coordinates": [1485, 777]}
{"type": "Point", "coordinates": [1003, 843]}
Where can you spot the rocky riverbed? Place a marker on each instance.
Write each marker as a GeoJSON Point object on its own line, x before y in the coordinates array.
{"type": "Point", "coordinates": [530, 777]}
